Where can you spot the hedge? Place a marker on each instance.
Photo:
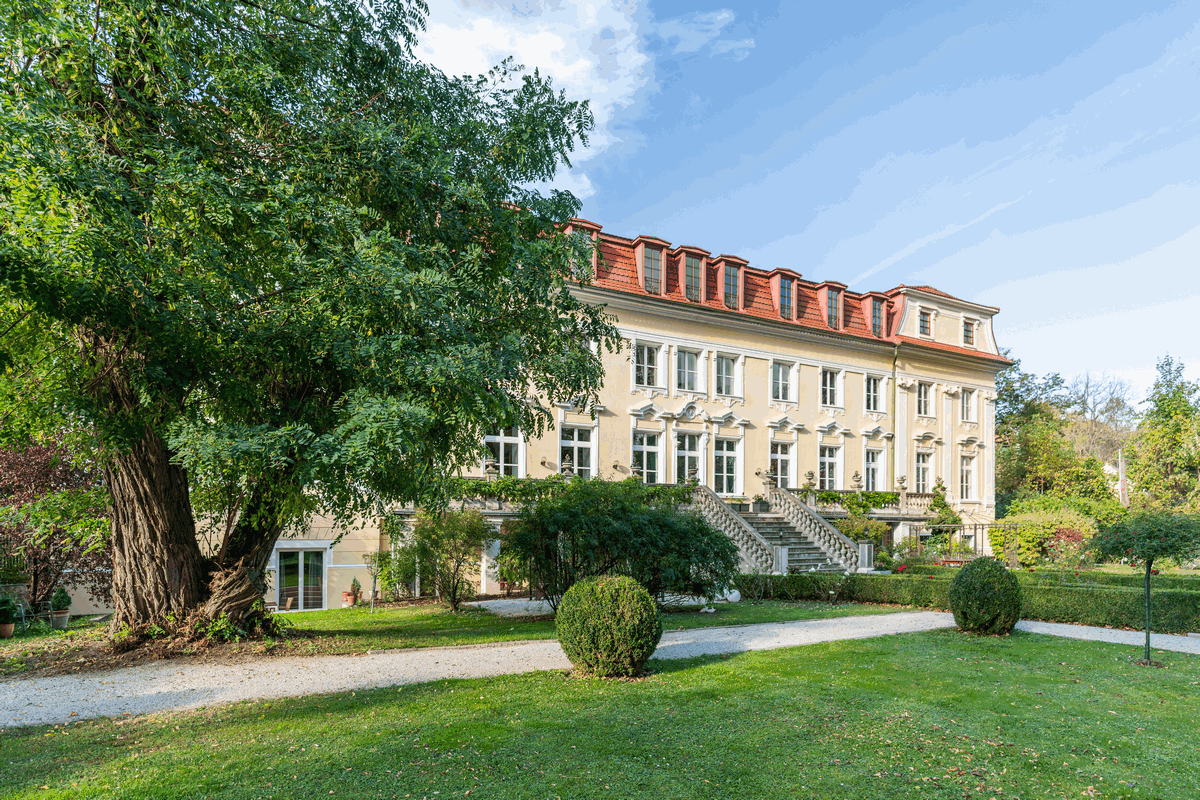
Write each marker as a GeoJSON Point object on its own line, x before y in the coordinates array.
{"type": "Point", "coordinates": [1187, 583]}
{"type": "Point", "coordinates": [1172, 610]}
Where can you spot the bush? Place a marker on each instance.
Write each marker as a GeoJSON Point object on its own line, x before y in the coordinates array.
{"type": "Point", "coordinates": [608, 626]}
{"type": "Point", "coordinates": [61, 601]}
{"type": "Point", "coordinates": [596, 527]}
{"type": "Point", "coordinates": [1033, 532]}
{"type": "Point", "coordinates": [446, 546]}
{"type": "Point", "coordinates": [8, 611]}
{"type": "Point", "coordinates": [985, 597]}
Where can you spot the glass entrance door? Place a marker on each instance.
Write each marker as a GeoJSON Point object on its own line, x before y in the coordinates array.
{"type": "Point", "coordinates": [301, 579]}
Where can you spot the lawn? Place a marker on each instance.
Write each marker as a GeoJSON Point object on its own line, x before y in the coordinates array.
{"type": "Point", "coordinates": [934, 715]}
{"type": "Point", "coordinates": [357, 630]}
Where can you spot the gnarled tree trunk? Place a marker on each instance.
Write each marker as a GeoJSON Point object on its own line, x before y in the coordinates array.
{"type": "Point", "coordinates": [241, 563]}
{"type": "Point", "coordinates": [157, 565]}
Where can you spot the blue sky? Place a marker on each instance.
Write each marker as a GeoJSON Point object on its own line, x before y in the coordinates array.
{"type": "Point", "coordinates": [1040, 157]}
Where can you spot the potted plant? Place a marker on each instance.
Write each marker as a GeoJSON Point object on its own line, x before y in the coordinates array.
{"type": "Point", "coordinates": [8, 617]}
{"type": "Point", "coordinates": [351, 597]}
{"type": "Point", "coordinates": [60, 609]}
{"type": "Point", "coordinates": [760, 505]}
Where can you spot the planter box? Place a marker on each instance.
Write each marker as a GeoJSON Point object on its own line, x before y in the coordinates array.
{"type": "Point", "coordinates": [761, 506]}
{"type": "Point", "coordinates": [59, 619]}
{"type": "Point", "coordinates": [740, 507]}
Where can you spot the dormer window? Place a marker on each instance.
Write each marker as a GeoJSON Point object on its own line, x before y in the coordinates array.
{"type": "Point", "coordinates": [785, 298]}
{"type": "Point", "coordinates": [693, 270]}
{"type": "Point", "coordinates": [877, 317]}
{"type": "Point", "coordinates": [731, 286]}
{"type": "Point", "coordinates": [653, 270]}
{"type": "Point", "coordinates": [969, 332]}
{"type": "Point", "coordinates": [924, 323]}
{"type": "Point", "coordinates": [835, 305]}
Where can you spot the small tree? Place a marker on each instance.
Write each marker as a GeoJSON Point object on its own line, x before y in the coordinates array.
{"type": "Point", "coordinates": [1148, 536]}
{"type": "Point", "coordinates": [446, 545]}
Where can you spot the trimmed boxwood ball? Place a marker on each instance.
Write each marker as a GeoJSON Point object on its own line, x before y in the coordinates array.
{"type": "Point", "coordinates": [608, 626]}
{"type": "Point", "coordinates": [985, 597]}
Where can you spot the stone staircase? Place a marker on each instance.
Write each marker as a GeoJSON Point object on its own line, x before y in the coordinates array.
{"type": "Point", "coordinates": [803, 554]}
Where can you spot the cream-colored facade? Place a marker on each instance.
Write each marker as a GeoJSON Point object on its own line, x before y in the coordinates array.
{"type": "Point", "coordinates": [732, 392]}
{"type": "Point", "coordinates": [732, 372]}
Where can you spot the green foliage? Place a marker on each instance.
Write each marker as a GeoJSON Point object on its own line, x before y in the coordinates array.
{"type": "Point", "coordinates": [985, 598]}
{"type": "Point", "coordinates": [61, 601]}
{"type": "Point", "coordinates": [943, 513]}
{"type": "Point", "coordinates": [1165, 452]}
{"type": "Point", "coordinates": [8, 610]}
{"type": "Point", "coordinates": [1031, 534]}
{"type": "Point", "coordinates": [269, 237]}
{"type": "Point", "coordinates": [447, 546]}
{"type": "Point", "coordinates": [524, 491]}
{"type": "Point", "coordinates": [596, 527]}
{"type": "Point", "coordinates": [1103, 510]}
{"type": "Point", "coordinates": [608, 626]}
{"type": "Point", "coordinates": [858, 503]}
{"type": "Point", "coordinates": [355, 587]}
{"type": "Point", "coordinates": [1151, 535]}
{"type": "Point", "coordinates": [857, 527]}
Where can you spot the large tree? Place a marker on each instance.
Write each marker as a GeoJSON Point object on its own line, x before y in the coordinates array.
{"type": "Point", "coordinates": [273, 261]}
{"type": "Point", "coordinates": [1165, 453]}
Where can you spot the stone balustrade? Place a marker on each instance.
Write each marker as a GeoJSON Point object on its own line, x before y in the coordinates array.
{"type": "Point", "coordinates": [832, 542]}
{"type": "Point", "coordinates": [756, 553]}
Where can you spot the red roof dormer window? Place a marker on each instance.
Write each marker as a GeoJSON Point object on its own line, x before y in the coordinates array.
{"type": "Point", "coordinates": [649, 255]}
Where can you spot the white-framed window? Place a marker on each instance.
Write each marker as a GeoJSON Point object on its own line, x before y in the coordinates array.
{"type": "Point", "coordinates": [785, 298]}
{"type": "Point", "coordinates": [687, 456]}
{"type": "Point", "coordinates": [687, 371]}
{"type": "Point", "coordinates": [781, 463]}
{"type": "Point", "coordinates": [726, 375]}
{"type": "Point", "coordinates": [725, 466]}
{"type": "Point", "coordinates": [828, 468]}
{"type": "Point", "coordinates": [834, 308]}
{"type": "Point", "coordinates": [645, 364]}
{"type": "Point", "coordinates": [921, 485]}
{"type": "Point", "coordinates": [873, 388]}
{"type": "Point", "coordinates": [692, 277]}
{"type": "Point", "coordinates": [652, 268]}
{"type": "Point", "coordinates": [781, 381]}
{"type": "Point", "coordinates": [966, 477]}
{"type": "Point", "coordinates": [967, 404]}
{"type": "Point", "coordinates": [877, 317]}
{"type": "Point", "coordinates": [645, 456]}
{"type": "Point", "coordinates": [830, 378]}
{"type": "Point", "coordinates": [731, 287]}
{"type": "Point", "coordinates": [575, 444]}
{"type": "Point", "coordinates": [300, 579]}
{"type": "Point", "coordinates": [925, 323]}
{"type": "Point", "coordinates": [924, 390]}
{"type": "Point", "coordinates": [872, 466]}
{"type": "Point", "coordinates": [968, 338]}
{"type": "Point", "coordinates": [507, 447]}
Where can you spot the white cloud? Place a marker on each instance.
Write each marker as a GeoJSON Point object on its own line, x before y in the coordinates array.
{"type": "Point", "coordinates": [593, 51]}
{"type": "Point", "coordinates": [692, 31]}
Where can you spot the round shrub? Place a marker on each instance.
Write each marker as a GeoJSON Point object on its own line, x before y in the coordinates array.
{"type": "Point", "coordinates": [985, 597]}
{"type": "Point", "coordinates": [608, 626]}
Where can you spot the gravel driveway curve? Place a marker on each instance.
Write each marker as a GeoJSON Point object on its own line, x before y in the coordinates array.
{"type": "Point", "coordinates": [167, 686]}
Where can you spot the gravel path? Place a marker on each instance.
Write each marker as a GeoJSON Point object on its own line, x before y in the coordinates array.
{"type": "Point", "coordinates": [167, 686]}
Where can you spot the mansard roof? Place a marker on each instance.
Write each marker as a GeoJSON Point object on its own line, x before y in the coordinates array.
{"type": "Point", "coordinates": [617, 271]}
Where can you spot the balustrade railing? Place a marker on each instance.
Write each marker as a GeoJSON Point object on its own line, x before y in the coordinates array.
{"type": "Point", "coordinates": [756, 552]}
{"type": "Point", "coordinates": [832, 542]}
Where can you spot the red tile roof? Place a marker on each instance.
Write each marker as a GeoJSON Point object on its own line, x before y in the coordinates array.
{"type": "Point", "coordinates": [618, 271]}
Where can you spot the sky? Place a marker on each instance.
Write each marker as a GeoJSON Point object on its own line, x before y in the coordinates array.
{"type": "Point", "coordinates": [1040, 157]}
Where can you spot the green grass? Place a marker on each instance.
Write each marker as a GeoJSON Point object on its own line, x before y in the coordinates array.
{"type": "Point", "coordinates": [935, 715]}
{"type": "Point", "coordinates": [355, 630]}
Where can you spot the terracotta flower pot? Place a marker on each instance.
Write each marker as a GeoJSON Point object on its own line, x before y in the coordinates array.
{"type": "Point", "coordinates": [6, 629]}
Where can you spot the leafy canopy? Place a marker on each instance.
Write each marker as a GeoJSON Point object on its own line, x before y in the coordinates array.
{"type": "Point", "coordinates": [266, 233]}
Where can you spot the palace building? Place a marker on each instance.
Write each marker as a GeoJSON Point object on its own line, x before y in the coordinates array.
{"type": "Point", "coordinates": [744, 378]}
{"type": "Point", "coordinates": [730, 371]}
